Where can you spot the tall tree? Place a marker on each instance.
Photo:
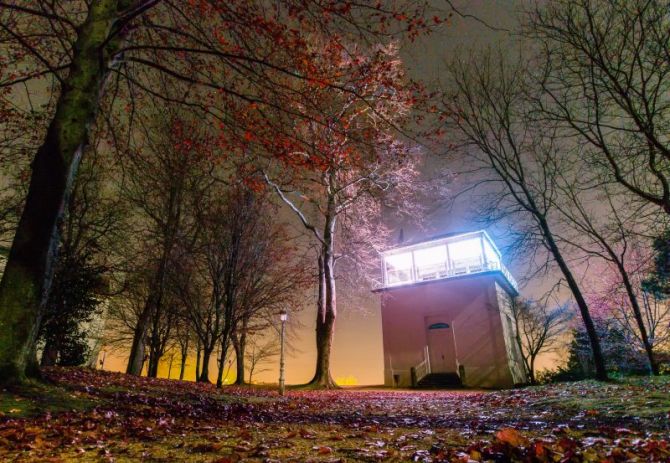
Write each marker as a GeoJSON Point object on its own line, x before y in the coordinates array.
{"type": "Point", "coordinates": [238, 49]}
{"type": "Point", "coordinates": [351, 164]}
{"type": "Point", "coordinates": [243, 267]}
{"type": "Point", "coordinates": [167, 169]}
{"type": "Point", "coordinates": [488, 106]}
{"type": "Point", "coordinates": [609, 296]}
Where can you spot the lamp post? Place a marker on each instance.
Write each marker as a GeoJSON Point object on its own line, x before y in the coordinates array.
{"type": "Point", "coordinates": [283, 316]}
{"type": "Point", "coordinates": [102, 361]}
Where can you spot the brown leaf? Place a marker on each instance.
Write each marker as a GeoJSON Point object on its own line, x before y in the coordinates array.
{"type": "Point", "coordinates": [323, 450]}
{"type": "Point", "coordinates": [512, 437]}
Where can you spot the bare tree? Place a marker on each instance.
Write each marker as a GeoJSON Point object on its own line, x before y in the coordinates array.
{"type": "Point", "coordinates": [605, 75]}
{"type": "Point", "coordinates": [606, 229]}
{"type": "Point", "coordinates": [259, 354]}
{"type": "Point", "coordinates": [167, 173]}
{"type": "Point", "coordinates": [241, 267]}
{"type": "Point", "coordinates": [610, 296]}
{"type": "Point", "coordinates": [184, 338]}
{"type": "Point", "coordinates": [204, 317]}
{"type": "Point", "coordinates": [488, 107]}
{"type": "Point", "coordinates": [539, 329]}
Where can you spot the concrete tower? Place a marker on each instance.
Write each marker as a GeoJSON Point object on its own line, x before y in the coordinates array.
{"type": "Point", "coordinates": [446, 314]}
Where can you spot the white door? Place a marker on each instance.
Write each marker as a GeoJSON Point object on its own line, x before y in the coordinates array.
{"type": "Point", "coordinates": [441, 349]}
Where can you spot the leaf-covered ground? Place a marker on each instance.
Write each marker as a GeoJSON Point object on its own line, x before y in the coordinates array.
{"type": "Point", "coordinates": [96, 416]}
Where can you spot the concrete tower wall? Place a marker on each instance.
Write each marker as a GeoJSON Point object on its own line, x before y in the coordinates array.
{"type": "Point", "coordinates": [479, 337]}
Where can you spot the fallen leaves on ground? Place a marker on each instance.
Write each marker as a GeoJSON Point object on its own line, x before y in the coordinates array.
{"type": "Point", "coordinates": [142, 419]}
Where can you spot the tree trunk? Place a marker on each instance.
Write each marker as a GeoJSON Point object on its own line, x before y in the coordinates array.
{"type": "Point", "coordinates": [154, 361]}
{"type": "Point", "coordinates": [182, 367]}
{"type": "Point", "coordinates": [150, 364]}
{"type": "Point", "coordinates": [239, 344]}
{"type": "Point", "coordinates": [184, 355]}
{"type": "Point", "coordinates": [596, 351]}
{"type": "Point", "coordinates": [531, 370]}
{"type": "Point", "coordinates": [325, 322]}
{"type": "Point", "coordinates": [137, 348]}
{"type": "Point", "coordinates": [198, 351]}
{"type": "Point", "coordinates": [204, 373]}
{"type": "Point", "coordinates": [222, 361]}
{"type": "Point", "coordinates": [28, 274]}
{"type": "Point", "coordinates": [637, 312]}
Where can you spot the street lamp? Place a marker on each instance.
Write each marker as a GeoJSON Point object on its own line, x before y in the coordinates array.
{"type": "Point", "coordinates": [102, 361]}
{"type": "Point", "coordinates": [283, 316]}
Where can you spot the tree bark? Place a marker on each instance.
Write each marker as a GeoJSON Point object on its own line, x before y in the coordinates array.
{"type": "Point", "coordinates": [28, 274]}
{"type": "Point", "coordinates": [137, 348]}
{"type": "Point", "coordinates": [637, 312]}
{"type": "Point", "coordinates": [198, 351]}
{"type": "Point", "coordinates": [325, 322]}
{"type": "Point", "coordinates": [239, 344]}
{"type": "Point", "coordinates": [184, 355]}
{"type": "Point", "coordinates": [596, 351]}
{"type": "Point", "coordinates": [204, 372]}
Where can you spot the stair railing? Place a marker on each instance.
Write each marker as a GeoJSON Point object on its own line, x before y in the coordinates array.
{"type": "Point", "coordinates": [421, 370]}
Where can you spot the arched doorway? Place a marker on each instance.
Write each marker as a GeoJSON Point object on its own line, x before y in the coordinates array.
{"type": "Point", "coordinates": [441, 347]}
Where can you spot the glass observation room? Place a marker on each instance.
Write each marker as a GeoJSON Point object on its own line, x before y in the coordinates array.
{"type": "Point", "coordinates": [446, 257]}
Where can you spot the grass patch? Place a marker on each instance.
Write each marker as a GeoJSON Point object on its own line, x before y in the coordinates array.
{"type": "Point", "coordinates": [34, 398]}
{"type": "Point", "coordinates": [623, 397]}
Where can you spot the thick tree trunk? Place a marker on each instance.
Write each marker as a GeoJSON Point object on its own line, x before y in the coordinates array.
{"type": "Point", "coordinates": [325, 322]}
{"type": "Point", "coordinates": [137, 348]}
{"type": "Point", "coordinates": [154, 361]}
{"type": "Point", "coordinates": [150, 364]}
{"type": "Point", "coordinates": [204, 372]}
{"type": "Point", "coordinates": [182, 367]}
{"type": "Point", "coordinates": [239, 344]}
{"type": "Point", "coordinates": [27, 277]}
